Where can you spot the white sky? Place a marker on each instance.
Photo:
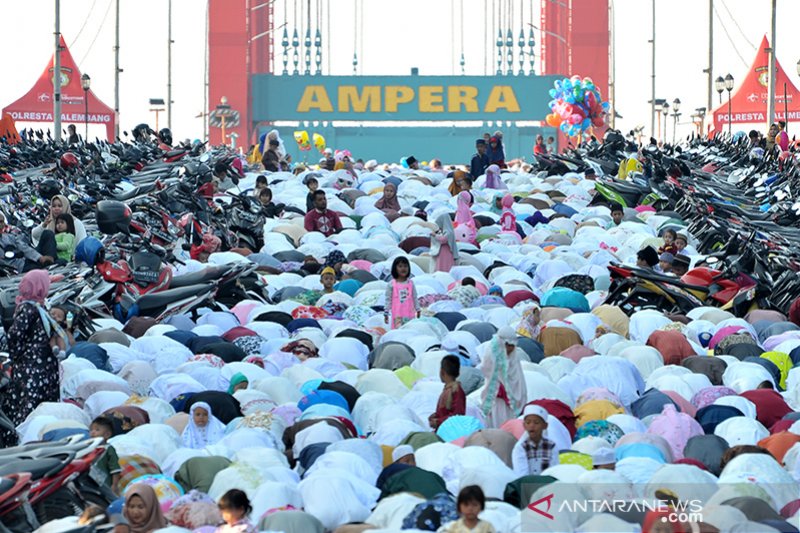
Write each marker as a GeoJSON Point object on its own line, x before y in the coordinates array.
{"type": "Point", "coordinates": [398, 35]}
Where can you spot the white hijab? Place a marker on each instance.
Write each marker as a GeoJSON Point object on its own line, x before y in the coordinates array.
{"type": "Point", "coordinates": [197, 437]}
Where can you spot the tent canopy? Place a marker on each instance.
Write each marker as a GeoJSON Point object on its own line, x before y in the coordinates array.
{"type": "Point", "coordinates": [37, 104]}
{"type": "Point", "coordinates": [749, 99]}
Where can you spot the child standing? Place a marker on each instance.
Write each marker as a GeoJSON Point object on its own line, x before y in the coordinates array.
{"type": "Point", "coordinates": [401, 295]}
{"type": "Point", "coordinates": [533, 453]}
{"type": "Point", "coordinates": [669, 242]}
{"type": "Point", "coordinates": [508, 221]}
{"type": "Point", "coordinates": [65, 237]}
{"type": "Point", "coordinates": [617, 213]}
{"type": "Point", "coordinates": [235, 507]}
{"type": "Point", "coordinates": [471, 501]}
{"type": "Point", "coordinates": [313, 185]}
{"type": "Point", "coordinates": [106, 470]}
{"type": "Point", "coordinates": [681, 242]}
{"type": "Point", "coordinates": [452, 401]}
{"type": "Point", "coordinates": [443, 244]}
{"type": "Point", "coordinates": [465, 228]}
{"type": "Point", "coordinates": [328, 280]}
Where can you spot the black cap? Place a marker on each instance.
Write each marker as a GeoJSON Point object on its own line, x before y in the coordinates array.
{"type": "Point", "coordinates": [480, 142]}
{"type": "Point", "coordinates": [410, 160]}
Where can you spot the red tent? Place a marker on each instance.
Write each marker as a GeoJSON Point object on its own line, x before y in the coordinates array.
{"type": "Point", "coordinates": [37, 104]}
{"type": "Point", "coordinates": [749, 100]}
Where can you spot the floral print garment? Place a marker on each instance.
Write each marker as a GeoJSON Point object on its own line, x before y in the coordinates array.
{"type": "Point", "coordinates": [34, 365]}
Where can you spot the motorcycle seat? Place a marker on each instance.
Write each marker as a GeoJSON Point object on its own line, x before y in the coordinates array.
{"type": "Point", "coordinates": [209, 273]}
{"type": "Point", "coordinates": [30, 447]}
{"type": "Point", "coordinates": [37, 468]}
{"type": "Point", "coordinates": [156, 300]}
{"type": "Point", "coordinates": [133, 193]}
{"type": "Point", "coordinates": [669, 280]}
{"type": "Point", "coordinates": [6, 485]}
{"type": "Point", "coordinates": [621, 186]}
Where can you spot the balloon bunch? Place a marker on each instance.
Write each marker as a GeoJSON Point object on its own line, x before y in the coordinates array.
{"type": "Point", "coordinates": [304, 141]}
{"type": "Point", "coordinates": [576, 106]}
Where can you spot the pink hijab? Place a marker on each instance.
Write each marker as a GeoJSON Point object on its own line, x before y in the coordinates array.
{"type": "Point", "coordinates": [34, 287]}
{"type": "Point", "coordinates": [463, 213]}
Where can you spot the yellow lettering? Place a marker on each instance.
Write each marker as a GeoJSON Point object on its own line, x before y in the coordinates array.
{"type": "Point", "coordinates": [396, 95]}
{"type": "Point", "coordinates": [431, 99]}
{"type": "Point", "coordinates": [462, 95]}
{"type": "Point", "coordinates": [315, 97]}
{"type": "Point", "coordinates": [370, 96]}
{"type": "Point", "coordinates": [502, 96]}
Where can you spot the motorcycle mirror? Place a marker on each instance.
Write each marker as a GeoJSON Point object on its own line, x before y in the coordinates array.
{"type": "Point", "coordinates": [205, 158]}
{"type": "Point", "coordinates": [73, 197]}
{"type": "Point", "coordinates": [712, 260]}
{"type": "Point", "coordinates": [9, 255]}
{"type": "Point", "coordinates": [28, 223]}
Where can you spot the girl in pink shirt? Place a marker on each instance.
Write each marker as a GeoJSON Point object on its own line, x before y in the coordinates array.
{"type": "Point", "coordinates": [508, 221]}
{"type": "Point", "coordinates": [401, 295]}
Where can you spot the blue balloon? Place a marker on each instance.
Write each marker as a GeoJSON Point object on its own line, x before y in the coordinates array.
{"type": "Point", "coordinates": [553, 93]}
{"type": "Point", "coordinates": [586, 124]}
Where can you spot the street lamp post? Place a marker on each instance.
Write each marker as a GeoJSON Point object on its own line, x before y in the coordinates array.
{"type": "Point", "coordinates": [729, 88]}
{"type": "Point", "coordinates": [719, 85]}
{"type": "Point", "coordinates": [676, 106]}
{"type": "Point", "coordinates": [665, 112]}
{"type": "Point", "coordinates": [86, 83]}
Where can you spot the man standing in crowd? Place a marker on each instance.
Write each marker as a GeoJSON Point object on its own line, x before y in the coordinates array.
{"type": "Point", "coordinates": [321, 218]}
{"type": "Point", "coordinates": [272, 159]}
{"type": "Point", "coordinates": [480, 161]}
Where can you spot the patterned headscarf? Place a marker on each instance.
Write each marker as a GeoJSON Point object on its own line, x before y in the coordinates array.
{"type": "Point", "coordinates": [497, 350]}
{"type": "Point", "coordinates": [334, 257]}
